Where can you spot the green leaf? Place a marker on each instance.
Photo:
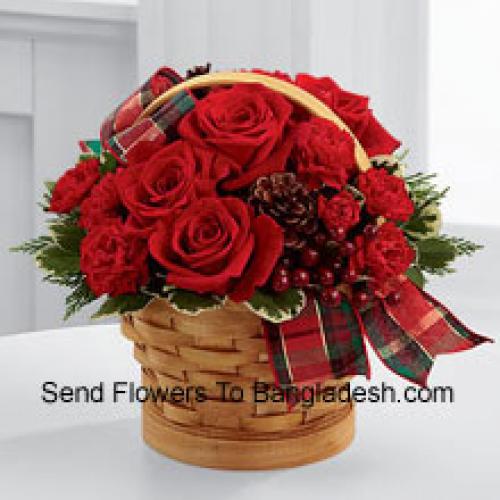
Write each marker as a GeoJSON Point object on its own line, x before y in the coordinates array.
{"type": "Point", "coordinates": [122, 304]}
{"type": "Point", "coordinates": [58, 261]}
{"type": "Point", "coordinates": [277, 307]}
{"type": "Point", "coordinates": [33, 246]}
{"type": "Point", "coordinates": [108, 163]}
{"type": "Point", "coordinates": [435, 253]}
{"type": "Point", "coordinates": [67, 235]}
{"type": "Point", "coordinates": [192, 303]}
{"type": "Point", "coordinates": [80, 296]}
{"type": "Point", "coordinates": [416, 276]}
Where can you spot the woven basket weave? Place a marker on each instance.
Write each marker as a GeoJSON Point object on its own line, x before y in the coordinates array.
{"type": "Point", "coordinates": [227, 345]}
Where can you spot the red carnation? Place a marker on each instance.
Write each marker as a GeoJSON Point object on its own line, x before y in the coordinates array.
{"type": "Point", "coordinates": [323, 153]}
{"type": "Point", "coordinates": [74, 185]}
{"type": "Point", "coordinates": [103, 206]}
{"type": "Point", "coordinates": [215, 243]}
{"type": "Point", "coordinates": [387, 254]}
{"type": "Point", "coordinates": [114, 260]}
{"type": "Point", "coordinates": [246, 123]}
{"type": "Point", "coordinates": [172, 178]}
{"type": "Point", "coordinates": [354, 111]}
{"type": "Point", "coordinates": [385, 195]}
{"type": "Point", "coordinates": [341, 211]}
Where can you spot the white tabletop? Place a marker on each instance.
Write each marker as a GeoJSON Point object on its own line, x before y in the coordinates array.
{"type": "Point", "coordinates": [86, 451]}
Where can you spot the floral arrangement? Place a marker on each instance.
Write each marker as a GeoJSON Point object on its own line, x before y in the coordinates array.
{"type": "Point", "coordinates": [237, 193]}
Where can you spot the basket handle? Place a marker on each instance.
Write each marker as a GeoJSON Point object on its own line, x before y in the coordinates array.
{"type": "Point", "coordinates": [294, 93]}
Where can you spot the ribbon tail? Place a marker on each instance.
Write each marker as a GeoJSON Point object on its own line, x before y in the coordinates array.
{"type": "Point", "coordinates": [322, 343]}
{"type": "Point", "coordinates": [397, 350]}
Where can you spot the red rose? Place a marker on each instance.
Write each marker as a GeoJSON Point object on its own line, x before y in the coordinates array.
{"type": "Point", "coordinates": [172, 178]}
{"type": "Point", "coordinates": [387, 254]}
{"type": "Point", "coordinates": [341, 211]}
{"type": "Point", "coordinates": [385, 195]}
{"type": "Point", "coordinates": [354, 111]}
{"type": "Point", "coordinates": [103, 206]}
{"type": "Point", "coordinates": [114, 260]}
{"type": "Point", "coordinates": [323, 153]}
{"type": "Point", "coordinates": [247, 124]}
{"type": "Point", "coordinates": [216, 245]}
{"type": "Point", "coordinates": [74, 185]}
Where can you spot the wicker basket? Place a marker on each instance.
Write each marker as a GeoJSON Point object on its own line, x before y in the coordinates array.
{"type": "Point", "coordinates": [227, 345]}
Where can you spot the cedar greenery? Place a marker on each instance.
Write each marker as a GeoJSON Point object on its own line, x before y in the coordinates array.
{"type": "Point", "coordinates": [435, 252]}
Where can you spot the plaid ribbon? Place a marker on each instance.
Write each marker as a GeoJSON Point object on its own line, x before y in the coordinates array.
{"type": "Point", "coordinates": [125, 136]}
{"type": "Point", "coordinates": [325, 343]}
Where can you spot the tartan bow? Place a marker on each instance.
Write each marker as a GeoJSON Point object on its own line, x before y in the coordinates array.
{"type": "Point", "coordinates": [325, 342]}
{"type": "Point", "coordinates": [126, 135]}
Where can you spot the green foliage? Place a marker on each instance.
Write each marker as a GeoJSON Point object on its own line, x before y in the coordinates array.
{"type": "Point", "coordinates": [192, 303]}
{"type": "Point", "coordinates": [108, 163]}
{"type": "Point", "coordinates": [58, 261]}
{"type": "Point", "coordinates": [47, 195]}
{"type": "Point", "coordinates": [434, 255]}
{"type": "Point", "coordinates": [277, 307]}
{"type": "Point", "coordinates": [416, 276]}
{"type": "Point", "coordinates": [67, 235]}
{"type": "Point", "coordinates": [80, 296]}
{"type": "Point", "coordinates": [33, 246]}
{"type": "Point", "coordinates": [122, 304]}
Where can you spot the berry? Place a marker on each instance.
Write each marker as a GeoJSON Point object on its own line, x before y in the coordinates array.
{"type": "Point", "coordinates": [337, 265]}
{"type": "Point", "coordinates": [281, 270]}
{"type": "Point", "coordinates": [326, 276]}
{"type": "Point", "coordinates": [361, 298]}
{"type": "Point", "coordinates": [300, 277]}
{"type": "Point", "coordinates": [338, 233]}
{"type": "Point", "coordinates": [330, 296]}
{"type": "Point", "coordinates": [393, 298]}
{"type": "Point", "coordinates": [309, 257]}
{"type": "Point", "coordinates": [287, 262]}
{"type": "Point", "coordinates": [370, 230]}
{"type": "Point", "coordinates": [281, 282]}
{"type": "Point", "coordinates": [349, 276]}
{"type": "Point", "coordinates": [347, 248]}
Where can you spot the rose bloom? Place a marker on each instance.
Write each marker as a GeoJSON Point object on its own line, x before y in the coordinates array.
{"type": "Point", "coordinates": [247, 124]}
{"type": "Point", "coordinates": [216, 245]}
{"type": "Point", "coordinates": [172, 178]}
{"type": "Point", "coordinates": [387, 254]}
{"type": "Point", "coordinates": [74, 185]}
{"type": "Point", "coordinates": [341, 211]}
{"type": "Point", "coordinates": [354, 111]}
{"type": "Point", "coordinates": [114, 260]}
{"type": "Point", "coordinates": [323, 153]}
{"type": "Point", "coordinates": [385, 195]}
{"type": "Point", "coordinates": [103, 206]}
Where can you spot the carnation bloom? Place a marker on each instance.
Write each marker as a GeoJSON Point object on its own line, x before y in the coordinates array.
{"type": "Point", "coordinates": [323, 153]}
{"type": "Point", "coordinates": [388, 253]}
{"type": "Point", "coordinates": [114, 260]}
{"type": "Point", "coordinates": [74, 185]}
{"type": "Point", "coordinates": [385, 195]}
{"type": "Point", "coordinates": [103, 206]}
{"type": "Point", "coordinates": [341, 211]}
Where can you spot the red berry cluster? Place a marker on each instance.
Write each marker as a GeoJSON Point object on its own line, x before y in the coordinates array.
{"type": "Point", "coordinates": [321, 266]}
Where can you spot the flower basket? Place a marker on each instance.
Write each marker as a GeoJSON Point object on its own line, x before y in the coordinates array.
{"type": "Point", "coordinates": [226, 346]}
{"type": "Point", "coordinates": [255, 234]}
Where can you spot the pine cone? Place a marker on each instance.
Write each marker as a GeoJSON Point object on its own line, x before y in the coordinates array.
{"type": "Point", "coordinates": [290, 204]}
